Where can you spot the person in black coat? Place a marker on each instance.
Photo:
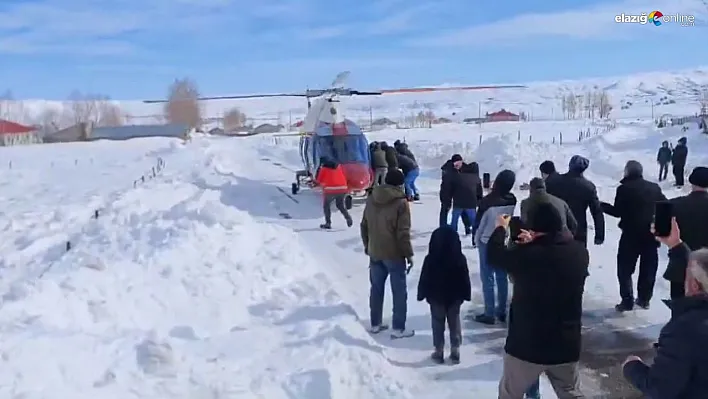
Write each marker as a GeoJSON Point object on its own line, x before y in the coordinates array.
{"type": "Point", "coordinates": [663, 158]}
{"type": "Point", "coordinates": [678, 160]}
{"type": "Point", "coordinates": [445, 284]}
{"type": "Point", "coordinates": [691, 212]}
{"type": "Point", "coordinates": [634, 206]}
{"type": "Point", "coordinates": [462, 192]}
{"type": "Point", "coordinates": [402, 148]}
{"type": "Point", "coordinates": [391, 155]}
{"type": "Point", "coordinates": [680, 368]}
{"type": "Point", "coordinates": [580, 194]}
{"type": "Point", "coordinates": [548, 269]}
{"type": "Point", "coordinates": [410, 170]}
{"type": "Point", "coordinates": [450, 167]}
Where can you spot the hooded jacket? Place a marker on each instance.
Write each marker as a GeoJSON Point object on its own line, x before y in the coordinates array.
{"type": "Point", "coordinates": [444, 277]}
{"type": "Point", "coordinates": [386, 224]}
{"type": "Point", "coordinates": [538, 195]}
{"type": "Point", "coordinates": [664, 155]}
{"type": "Point", "coordinates": [499, 201]}
{"type": "Point", "coordinates": [680, 154]}
{"type": "Point", "coordinates": [378, 158]}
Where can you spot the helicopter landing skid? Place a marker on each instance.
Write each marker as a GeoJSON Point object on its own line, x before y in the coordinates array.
{"type": "Point", "coordinates": [301, 177]}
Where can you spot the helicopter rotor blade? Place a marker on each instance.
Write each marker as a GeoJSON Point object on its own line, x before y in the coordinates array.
{"type": "Point", "coordinates": [234, 97]}
{"type": "Point", "coordinates": [452, 88]}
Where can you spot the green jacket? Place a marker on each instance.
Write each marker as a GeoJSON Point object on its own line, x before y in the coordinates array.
{"type": "Point", "coordinates": [379, 159]}
{"type": "Point", "coordinates": [386, 224]}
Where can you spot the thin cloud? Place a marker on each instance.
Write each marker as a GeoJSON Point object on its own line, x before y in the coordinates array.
{"type": "Point", "coordinates": [597, 22]}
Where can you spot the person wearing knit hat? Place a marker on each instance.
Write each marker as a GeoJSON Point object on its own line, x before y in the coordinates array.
{"type": "Point", "coordinates": [547, 168]}
{"type": "Point", "coordinates": [580, 194]}
{"type": "Point", "coordinates": [699, 177]}
{"type": "Point", "coordinates": [691, 213]}
{"type": "Point", "coordinates": [538, 195]}
{"type": "Point", "coordinates": [549, 270]}
{"type": "Point", "coordinates": [394, 177]}
{"type": "Point", "coordinates": [634, 207]}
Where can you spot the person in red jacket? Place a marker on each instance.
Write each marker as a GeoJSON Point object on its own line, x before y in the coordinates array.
{"type": "Point", "coordinates": [331, 178]}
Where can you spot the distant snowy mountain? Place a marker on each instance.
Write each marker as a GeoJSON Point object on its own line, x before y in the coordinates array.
{"type": "Point", "coordinates": [631, 96]}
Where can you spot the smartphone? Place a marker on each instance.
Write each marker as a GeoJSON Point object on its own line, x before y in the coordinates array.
{"type": "Point", "coordinates": [515, 226]}
{"type": "Point", "coordinates": [663, 213]}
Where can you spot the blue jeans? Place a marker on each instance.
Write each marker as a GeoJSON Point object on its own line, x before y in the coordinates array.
{"type": "Point", "coordinates": [534, 391]}
{"type": "Point", "coordinates": [457, 213]}
{"type": "Point", "coordinates": [491, 275]}
{"type": "Point", "coordinates": [409, 182]}
{"type": "Point", "coordinates": [379, 270]}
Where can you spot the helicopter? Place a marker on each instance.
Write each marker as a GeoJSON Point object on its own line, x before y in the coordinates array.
{"type": "Point", "coordinates": [325, 132]}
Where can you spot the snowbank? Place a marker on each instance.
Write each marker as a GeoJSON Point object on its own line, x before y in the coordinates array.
{"type": "Point", "coordinates": [175, 294]}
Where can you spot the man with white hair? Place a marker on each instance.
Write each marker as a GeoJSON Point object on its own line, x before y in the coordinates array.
{"type": "Point", "coordinates": [680, 368]}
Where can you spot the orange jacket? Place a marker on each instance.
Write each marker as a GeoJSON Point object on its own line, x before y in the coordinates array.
{"type": "Point", "coordinates": [332, 181]}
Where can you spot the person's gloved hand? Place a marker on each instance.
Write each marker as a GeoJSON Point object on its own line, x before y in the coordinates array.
{"type": "Point", "coordinates": [409, 263]}
{"type": "Point", "coordinates": [599, 241]}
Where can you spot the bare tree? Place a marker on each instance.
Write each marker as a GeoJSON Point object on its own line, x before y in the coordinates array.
{"type": "Point", "coordinates": [703, 102]}
{"type": "Point", "coordinates": [602, 104]}
{"type": "Point", "coordinates": [580, 102]}
{"type": "Point", "coordinates": [571, 105]}
{"type": "Point", "coordinates": [109, 114]}
{"type": "Point", "coordinates": [183, 104]}
{"type": "Point", "coordinates": [81, 108]}
{"type": "Point", "coordinates": [50, 120]}
{"type": "Point", "coordinates": [234, 119]}
{"type": "Point", "coordinates": [564, 106]}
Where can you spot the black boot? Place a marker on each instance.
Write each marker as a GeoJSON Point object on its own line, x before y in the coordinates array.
{"type": "Point", "coordinates": [642, 304]}
{"type": "Point", "coordinates": [326, 226]}
{"type": "Point", "coordinates": [438, 356]}
{"type": "Point", "coordinates": [624, 306]}
{"type": "Point", "coordinates": [484, 319]}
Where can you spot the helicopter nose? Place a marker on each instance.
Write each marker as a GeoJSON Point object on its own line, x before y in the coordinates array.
{"type": "Point", "coordinates": [358, 175]}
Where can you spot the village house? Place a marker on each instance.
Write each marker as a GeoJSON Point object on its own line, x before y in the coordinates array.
{"type": "Point", "coordinates": [12, 133]}
{"type": "Point", "coordinates": [502, 116]}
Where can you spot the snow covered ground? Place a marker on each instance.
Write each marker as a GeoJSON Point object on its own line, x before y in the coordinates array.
{"type": "Point", "coordinates": [192, 285]}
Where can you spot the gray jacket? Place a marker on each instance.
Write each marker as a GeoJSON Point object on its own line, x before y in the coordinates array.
{"type": "Point", "coordinates": [488, 219]}
{"type": "Point", "coordinates": [538, 196]}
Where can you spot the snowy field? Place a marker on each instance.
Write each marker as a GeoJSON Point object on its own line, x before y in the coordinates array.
{"type": "Point", "coordinates": [193, 286]}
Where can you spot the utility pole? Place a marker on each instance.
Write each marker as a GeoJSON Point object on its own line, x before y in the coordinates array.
{"type": "Point", "coordinates": [479, 110]}
{"type": "Point", "coordinates": [371, 117]}
{"type": "Point", "coordinates": [290, 120]}
{"type": "Point", "coordinates": [652, 108]}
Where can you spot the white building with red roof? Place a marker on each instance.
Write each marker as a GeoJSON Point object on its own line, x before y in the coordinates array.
{"type": "Point", "coordinates": [12, 133]}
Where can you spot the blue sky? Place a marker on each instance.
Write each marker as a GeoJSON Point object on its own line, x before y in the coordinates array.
{"type": "Point", "coordinates": [132, 49]}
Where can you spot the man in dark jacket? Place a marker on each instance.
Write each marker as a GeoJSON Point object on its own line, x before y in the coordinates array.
{"type": "Point", "coordinates": [452, 166]}
{"type": "Point", "coordinates": [678, 159]}
{"type": "Point", "coordinates": [386, 236]}
{"type": "Point", "coordinates": [410, 170]}
{"type": "Point", "coordinates": [538, 195]}
{"type": "Point", "coordinates": [548, 170]}
{"type": "Point", "coordinates": [379, 164]}
{"type": "Point", "coordinates": [549, 269]}
{"type": "Point", "coordinates": [691, 212]}
{"type": "Point", "coordinates": [580, 194]}
{"type": "Point", "coordinates": [680, 368]}
{"type": "Point", "coordinates": [462, 192]}
{"type": "Point", "coordinates": [402, 148]}
{"type": "Point", "coordinates": [663, 158]}
{"type": "Point", "coordinates": [634, 206]}
{"type": "Point", "coordinates": [391, 158]}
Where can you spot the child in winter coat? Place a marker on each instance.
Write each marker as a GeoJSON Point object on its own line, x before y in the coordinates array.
{"type": "Point", "coordinates": [445, 284]}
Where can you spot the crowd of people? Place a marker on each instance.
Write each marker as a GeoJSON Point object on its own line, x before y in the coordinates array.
{"type": "Point", "coordinates": [543, 255]}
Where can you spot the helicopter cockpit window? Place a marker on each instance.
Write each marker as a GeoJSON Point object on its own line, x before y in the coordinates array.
{"type": "Point", "coordinates": [345, 149]}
